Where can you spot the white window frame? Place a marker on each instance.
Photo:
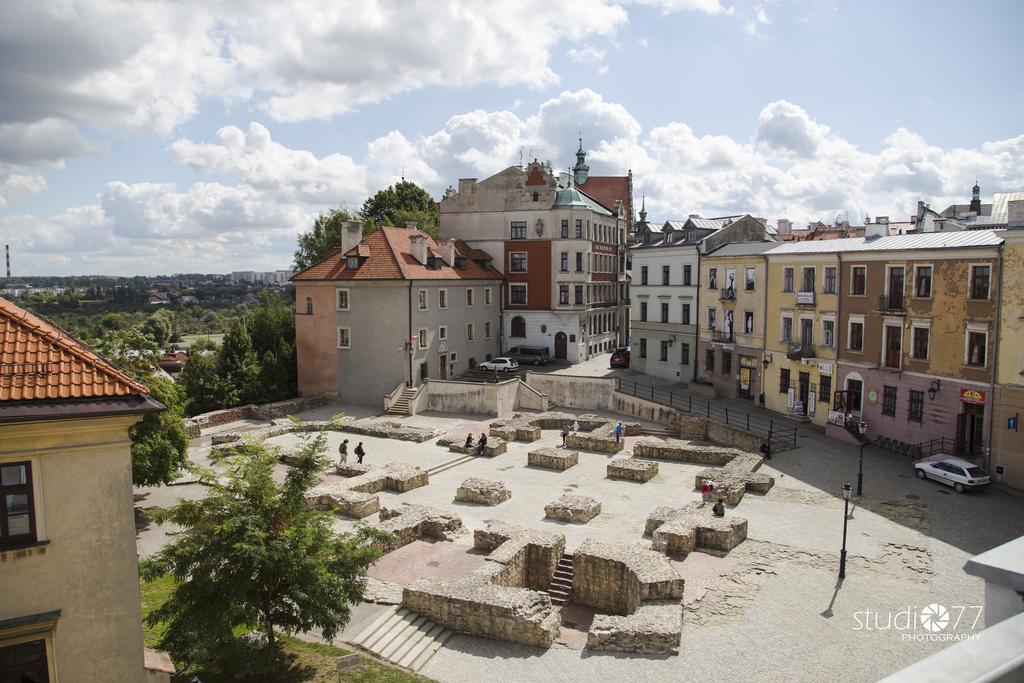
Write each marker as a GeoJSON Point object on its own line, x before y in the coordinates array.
{"type": "Point", "coordinates": [931, 288]}
{"type": "Point", "coordinates": [423, 338]}
{"type": "Point", "coordinates": [752, 270]}
{"type": "Point", "coordinates": [38, 508]}
{"type": "Point", "coordinates": [832, 320]}
{"type": "Point", "coordinates": [782, 326]}
{"type": "Point", "coordinates": [835, 279]}
{"type": "Point", "coordinates": [337, 299]}
{"type": "Point", "coordinates": [488, 333]}
{"type": "Point", "coordinates": [852, 267]}
{"type": "Point", "coordinates": [470, 332]}
{"type": "Point", "coordinates": [348, 334]}
{"type": "Point", "coordinates": [453, 356]}
{"type": "Point", "coordinates": [753, 322]}
{"type": "Point", "coordinates": [526, 261]}
{"type": "Point", "coordinates": [563, 257]}
{"type": "Point", "coordinates": [970, 281]}
{"type": "Point", "coordinates": [488, 298]}
{"type": "Point", "coordinates": [850, 322]}
{"type": "Point", "coordinates": [470, 297]}
{"type": "Point", "coordinates": [888, 269]}
{"type": "Point", "coordinates": [712, 317]}
{"type": "Point", "coordinates": [442, 333]}
{"type": "Point", "coordinates": [442, 299]}
{"type": "Point", "coordinates": [921, 325]}
{"type": "Point", "coordinates": [976, 328]}
{"type": "Point", "coordinates": [423, 299]}
{"type": "Point", "coordinates": [526, 292]}
{"type": "Point", "coordinates": [790, 269]}
{"type": "Point", "coordinates": [814, 278]}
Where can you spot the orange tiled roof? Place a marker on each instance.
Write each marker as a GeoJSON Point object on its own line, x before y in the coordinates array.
{"type": "Point", "coordinates": [388, 254]}
{"type": "Point", "coordinates": [38, 361]}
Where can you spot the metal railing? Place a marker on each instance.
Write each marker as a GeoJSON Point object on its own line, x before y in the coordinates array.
{"type": "Point", "coordinates": [891, 303]}
{"type": "Point", "coordinates": [943, 445]}
{"type": "Point", "coordinates": [728, 294]}
{"type": "Point", "coordinates": [724, 336]}
{"type": "Point", "coordinates": [781, 436]}
{"type": "Point", "coordinates": [798, 350]}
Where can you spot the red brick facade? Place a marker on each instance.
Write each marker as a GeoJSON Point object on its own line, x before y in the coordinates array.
{"type": "Point", "coordinates": [537, 276]}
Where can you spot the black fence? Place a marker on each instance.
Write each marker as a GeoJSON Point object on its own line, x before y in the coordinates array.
{"type": "Point", "coordinates": [943, 445]}
{"type": "Point", "coordinates": [779, 434]}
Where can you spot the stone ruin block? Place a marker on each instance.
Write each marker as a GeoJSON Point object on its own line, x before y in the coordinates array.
{"type": "Point", "coordinates": [632, 468]}
{"type": "Point", "coordinates": [600, 440]}
{"type": "Point", "coordinates": [654, 628]}
{"type": "Point", "coordinates": [347, 503]}
{"type": "Point", "coordinates": [351, 469]}
{"type": "Point", "coordinates": [617, 578]}
{"type": "Point", "coordinates": [495, 446]}
{"type": "Point", "coordinates": [736, 478]}
{"type": "Point", "coordinates": [534, 553]}
{"type": "Point", "coordinates": [483, 492]}
{"type": "Point", "coordinates": [680, 450]}
{"type": "Point", "coordinates": [682, 530]}
{"type": "Point", "coordinates": [394, 476]}
{"type": "Point", "coordinates": [553, 458]}
{"type": "Point", "coordinates": [353, 497]}
{"type": "Point", "coordinates": [571, 508]}
{"type": "Point", "coordinates": [408, 523]}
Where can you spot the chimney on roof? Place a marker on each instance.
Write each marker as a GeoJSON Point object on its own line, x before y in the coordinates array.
{"type": "Point", "coordinates": [884, 220]}
{"type": "Point", "coordinates": [351, 235]}
{"type": "Point", "coordinates": [785, 226]}
{"type": "Point", "coordinates": [694, 215]}
{"type": "Point", "coordinates": [418, 247]}
{"type": "Point", "coordinates": [412, 225]}
{"type": "Point", "coordinates": [447, 249]}
{"type": "Point", "coordinates": [1015, 213]}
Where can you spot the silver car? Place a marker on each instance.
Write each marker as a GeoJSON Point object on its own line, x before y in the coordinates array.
{"type": "Point", "coordinates": [500, 364]}
{"type": "Point", "coordinates": [956, 472]}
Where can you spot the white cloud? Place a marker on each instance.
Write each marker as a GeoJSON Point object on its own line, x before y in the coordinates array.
{"type": "Point", "coordinates": [671, 6]}
{"type": "Point", "coordinates": [587, 54]}
{"type": "Point", "coordinates": [15, 186]}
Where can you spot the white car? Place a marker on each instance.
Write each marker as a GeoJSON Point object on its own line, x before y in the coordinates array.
{"type": "Point", "coordinates": [956, 472]}
{"type": "Point", "coordinates": [500, 364]}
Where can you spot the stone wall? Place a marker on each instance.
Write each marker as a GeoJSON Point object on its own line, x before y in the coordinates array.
{"type": "Point", "coordinates": [616, 577]}
{"type": "Point", "coordinates": [528, 398]}
{"type": "Point", "coordinates": [737, 438]}
{"type": "Point", "coordinates": [632, 469]}
{"type": "Point", "coordinates": [569, 391]}
{"type": "Point", "coordinates": [266, 411]}
{"type": "Point", "coordinates": [408, 523]}
{"type": "Point", "coordinates": [655, 628]}
{"type": "Point", "coordinates": [553, 458]}
{"type": "Point", "coordinates": [686, 451]}
{"type": "Point", "coordinates": [475, 398]}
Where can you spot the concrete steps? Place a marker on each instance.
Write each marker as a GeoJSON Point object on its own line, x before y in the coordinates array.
{"type": "Point", "coordinates": [403, 637]}
{"type": "Point", "coordinates": [445, 466]}
{"type": "Point", "coordinates": [401, 404]}
{"type": "Point", "coordinates": [560, 589]}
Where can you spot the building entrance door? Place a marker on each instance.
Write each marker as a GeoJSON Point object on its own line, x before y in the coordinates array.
{"type": "Point", "coordinates": [854, 391]}
{"type": "Point", "coordinates": [561, 346]}
{"type": "Point", "coordinates": [969, 425]}
{"type": "Point", "coordinates": [444, 365]}
{"type": "Point", "coordinates": [805, 385]}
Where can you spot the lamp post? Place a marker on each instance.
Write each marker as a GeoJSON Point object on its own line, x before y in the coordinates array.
{"type": "Point", "coordinates": [861, 429]}
{"type": "Point", "coordinates": [846, 516]}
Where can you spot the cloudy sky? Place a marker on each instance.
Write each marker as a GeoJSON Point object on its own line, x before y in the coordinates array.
{"type": "Point", "coordinates": [159, 137]}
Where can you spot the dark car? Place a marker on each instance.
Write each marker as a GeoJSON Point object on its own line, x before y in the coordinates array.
{"type": "Point", "coordinates": [620, 358]}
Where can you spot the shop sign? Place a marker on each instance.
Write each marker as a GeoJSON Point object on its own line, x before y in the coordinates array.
{"type": "Point", "coordinates": [972, 396]}
{"type": "Point", "coordinates": [748, 362]}
{"type": "Point", "coordinates": [745, 379]}
{"type": "Point", "coordinates": [873, 395]}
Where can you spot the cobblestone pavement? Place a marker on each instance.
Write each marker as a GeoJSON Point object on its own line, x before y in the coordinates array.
{"type": "Point", "coordinates": [771, 607]}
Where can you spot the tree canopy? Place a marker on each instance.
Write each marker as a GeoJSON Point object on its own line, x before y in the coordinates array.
{"type": "Point", "coordinates": [320, 239]}
{"type": "Point", "coordinates": [253, 554]}
{"type": "Point", "coordinates": [405, 200]}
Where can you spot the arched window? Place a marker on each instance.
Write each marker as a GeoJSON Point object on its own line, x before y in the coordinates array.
{"type": "Point", "coordinates": [309, 305]}
{"type": "Point", "coordinates": [518, 327]}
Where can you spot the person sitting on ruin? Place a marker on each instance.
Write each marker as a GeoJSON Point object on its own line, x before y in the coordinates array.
{"type": "Point", "coordinates": [719, 509]}
{"type": "Point", "coordinates": [482, 443]}
{"type": "Point", "coordinates": [469, 442]}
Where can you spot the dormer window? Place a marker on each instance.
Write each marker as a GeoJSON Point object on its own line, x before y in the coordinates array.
{"type": "Point", "coordinates": [352, 262]}
{"type": "Point", "coordinates": [460, 262]}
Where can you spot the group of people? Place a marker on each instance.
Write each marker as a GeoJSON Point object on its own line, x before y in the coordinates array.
{"type": "Point", "coordinates": [707, 492]}
{"type": "Point", "coordinates": [576, 428]}
{"type": "Point", "coordinates": [343, 452]}
{"type": "Point", "coordinates": [480, 445]}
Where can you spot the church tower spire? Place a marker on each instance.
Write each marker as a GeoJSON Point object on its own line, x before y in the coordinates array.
{"type": "Point", "coordinates": [581, 171]}
{"type": "Point", "coordinates": [643, 208]}
{"type": "Point", "coordinates": [976, 198]}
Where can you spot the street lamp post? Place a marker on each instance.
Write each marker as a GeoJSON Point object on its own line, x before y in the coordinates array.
{"type": "Point", "coordinates": [861, 428]}
{"type": "Point", "coordinates": [846, 516]}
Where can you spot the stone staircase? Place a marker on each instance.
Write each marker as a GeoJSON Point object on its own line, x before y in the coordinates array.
{"type": "Point", "coordinates": [403, 637]}
{"type": "Point", "coordinates": [560, 589]}
{"type": "Point", "coordinates": [445, 466]}
{"type": "Point", "coordinates": [401, 404]}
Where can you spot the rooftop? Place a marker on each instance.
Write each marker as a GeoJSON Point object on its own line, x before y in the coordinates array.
{"type": "Point", "coordinates": [573, 198]}
{"type": "Point", "coordinates": [926, 240]}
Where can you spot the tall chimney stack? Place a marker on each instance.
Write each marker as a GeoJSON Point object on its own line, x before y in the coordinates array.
{"type": "Point", "coordinates": [351, 235]}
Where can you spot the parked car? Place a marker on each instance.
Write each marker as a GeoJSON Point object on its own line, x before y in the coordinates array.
{"type": "Point", "coordinates": [500, 365]}
{"type": "Point", "coordinates": [620, 358]}
{"type": "Point", "coordinates": [532, 355]}
{"type": "Point", "coordinates": [956, 472]}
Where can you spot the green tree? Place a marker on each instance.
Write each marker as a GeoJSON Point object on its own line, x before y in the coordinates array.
{"type": "Point", "coordinates": [402, 201]}
{"type": "Point", "coordinates": [272, 329]}
{"type": "Point", "coordinates": [320, 239]}
{"type": "Point", "coordinates": [238, 368]}
{"type": "Point", "coordinates": [199, 381]}
{"type": "Point", "coordinates": [253, 554]}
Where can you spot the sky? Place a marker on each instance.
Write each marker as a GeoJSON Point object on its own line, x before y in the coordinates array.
{"type": "Point", "coordinates": [160, 137]}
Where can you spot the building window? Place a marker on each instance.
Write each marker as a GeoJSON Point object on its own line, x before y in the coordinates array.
{"type": "Point", "coordinates": [442, 332]}
{"type": "Point", "coordinates": [892, 346]}
{"type": "Point", "coordinates": [783, 380]}
{"type": "Point", "coordinates": [469, 296]}
{"type": "Point", "coordinates": [825, 395]}
{"type": "Point", "coordinates": [536, 196]}
{"type": "Point", "coordinates": [923, 282]}
{"type": "Point", "coordinates": [712, 318]}
{"type": "Point", "coordinates": [487, 329]}
{"type": "Point", "coordinates": [309, 305]}
{"type": "Point", "coordinates": [919, 343]}
{"type": "Point", "coordinates": [452, 357]}
{"type": "Point", "coordinates": [352, 262]}
{"type": "Point", "coordinates": [643, 275]}
{"type": "Point", "coordinates": [517, 262]}
{"type": "Point", "coordinates": [830, 280]}
{"type": "Point", "coordinates": [828, 333]}
{"type": "Point", "coordinates": [442, 298]}
{"type": "Point", "coordinates": [856, 342]}
{"type": "Point", "coordinates": [487, 296]}
{"type": "Point", "coordinates": [17, 507]}
{"type": "Point", "coordinates": [643, 347]}
{"type": "Point", "coordinates": [342, 299]}
{"type": "Point", "coordinates": [578, 295]}
{"type": "Point", "coordinates": [807, 281]}
{"type": "Point", "coordinates": [579, 228]}
{"type": "Point", "coordinates": [423, 299]}
{"type": "Point", "coordinates": [565, 228]}
{"type": "Point", "coordinates": [915, 412]}
{"type": "Point", "coordinates": [709, 360]}
{"type": "Point", "coordinates": [24, 662]}
{"type": "Point", "coordinates": [518, 327]}
{"type": "Point", "coordinates": [519, 230]}
{"type": "Point", "coordinates": [687, 275]}
{"type": "Point", "coordinates": [579, 261]}
{"type": "Point", "coordinates": [470, 332]}
{"type": "Point", "coordinates": [344, 338]}
{"type": "Point", "coordinates": [726, 363]}
{"type": "Point", "coordinates": [664, 313]}
{"type": "Point", "coordinates": [664, 351]}
{"type": "Point", "coordinates": [712, 278]}
{"type": "Point", "coordinates": [977, 345]}
{"type": "Point", "coordinates": [787, 328]}
{"type": "Point", "coordinates": [643, 311]}
{"type": "Point", "coordinates": [517, 294]}
{"type": "Point", "coordinates": [980, 276]}
{"type": "Point", "coordinates": [422, 337]}
{"type": "Point", "coordinates": [665, 270]}
{"type": "Point", "coordinates": [564, 262]}
{"type": "Point", "coordinates": [563, 295]}
{"type": "Point", "coordinates": [889, 400]}
{"type": "Point", "coordinates": [787, 279]}
{"type": "Point", "coordinates": [686, 314]}
{"type": "Point", "coordinates": [684, 354]}
{"type": "Point", "coordinates": [749, 279]}
{"type": "Point", "coordinates": [858, 280]}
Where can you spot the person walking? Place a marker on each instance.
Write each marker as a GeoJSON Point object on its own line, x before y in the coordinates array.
{"type": "Point", "coordinates": [618, 432]}
{"type": "Point", "coordinates": [704, 491]}
{"type": "Point", "coordinates": [360, 453]}
{"type": "Point", "coordinates": [575, 426]}
{"type": "Point", "coordinates": [766, 450]}
{"type": "Point", "coordinates": [565, 436]}
{"type": "Point", "coordinates": [343, 452]}
{"type": "Point", "coordinates": [719, 509]}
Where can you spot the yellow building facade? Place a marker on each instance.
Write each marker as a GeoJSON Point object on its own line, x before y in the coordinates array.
{"type": "Point", "coordinates": [1007, 435]}
{"type": "Point", "coordinates": [801, 330]}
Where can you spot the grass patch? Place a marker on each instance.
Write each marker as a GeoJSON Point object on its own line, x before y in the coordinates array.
{"type": "Point", "coordinates": [305, 662]}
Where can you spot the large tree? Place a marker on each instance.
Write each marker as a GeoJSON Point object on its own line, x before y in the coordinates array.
{"type": "Point", "coordinates": [253, 554]}
{"type": "Point", "coordinates": [199, 381]}
{"type": "Point", "coordinates": [400, 202]}
{"type": "Point", "coordinates": [272, 330]}
{"type": "Point", "coordinates": [238, 368]}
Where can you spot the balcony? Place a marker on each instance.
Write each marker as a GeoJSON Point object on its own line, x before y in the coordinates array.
{"type": "Point", "coordinates": [892, 302]}
{"type": "Point", "coordinates": [799, 351]}
{"type": "Point", "coordinates": [727, 294]}
{"type": "Point", "coordinates": [805, 298]}
{"type": "Point", "coordinates": [723, 336]}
